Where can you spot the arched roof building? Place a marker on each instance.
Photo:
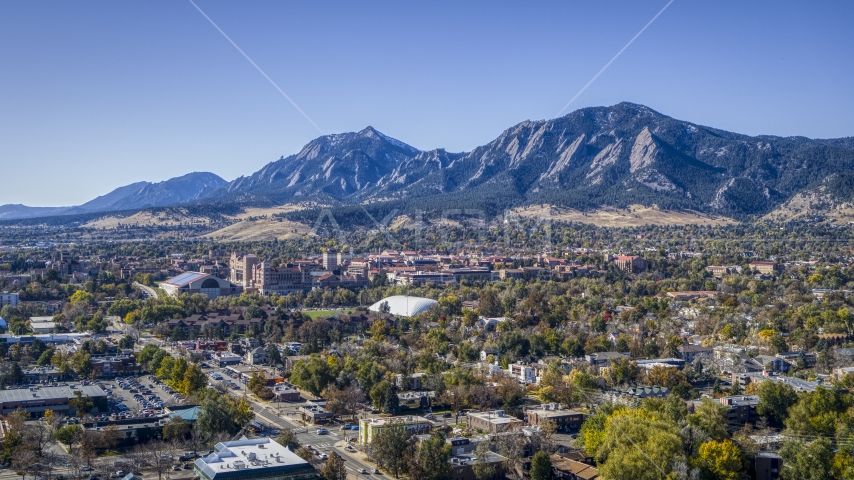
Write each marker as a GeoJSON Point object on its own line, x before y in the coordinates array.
{"type": "Point", "coordinates": [404, 305]}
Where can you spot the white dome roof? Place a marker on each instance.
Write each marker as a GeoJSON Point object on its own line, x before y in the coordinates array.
{"type": "Point", "coordinates": [404, 306]}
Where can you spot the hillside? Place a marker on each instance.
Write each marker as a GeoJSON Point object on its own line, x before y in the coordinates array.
{"type": "Point", "coordinates": [831, 198]}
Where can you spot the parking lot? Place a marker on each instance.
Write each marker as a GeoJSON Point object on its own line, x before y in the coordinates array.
{"type": "Point", "coordinates": [142, 396]}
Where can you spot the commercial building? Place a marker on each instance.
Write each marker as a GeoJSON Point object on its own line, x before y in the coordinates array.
{"type": "Point", "coordinates": [41, 375]}
{"type": "Point", "coordinates": [315, 414]}
{"type": "Point", "coordinates": [257, 458]}
{"type": "Point", "coordinates": [285, 393]}
{"type": "Point", "coordinates": [566, 420]}
{"type": "Point", "coordinates": [7, 298]}
{"type": "Point", "coordinates": [370, 427]}
{"type": "Point", "coordinates": [495, 421]}
{"type": "Point", "coordinates": [226, 358]}
{"type": "Point", "coordinates": [50, 338]}
{"type": "Point", "coordinates": [117, 366]}
{"type": "Point", "coordinates": [195, 282]}
{"type": "Point", "coordinates": [36, 400]}
{"type": "Point", "coordinates": [42, 325]}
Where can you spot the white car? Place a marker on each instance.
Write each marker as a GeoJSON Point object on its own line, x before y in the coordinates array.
{"type": "Point", "coordinates": [322, 431]}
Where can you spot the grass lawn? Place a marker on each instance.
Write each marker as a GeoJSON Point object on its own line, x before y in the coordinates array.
{"type": "Point", "coordinates": [326, 313]}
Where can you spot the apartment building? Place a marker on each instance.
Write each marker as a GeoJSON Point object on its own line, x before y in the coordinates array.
{"type": "Point", "coordinates": [7, 298]}
{"type": "Point", "coordinates": [494, 421]}
{"type": "Point", "coordinates": [566, 420]}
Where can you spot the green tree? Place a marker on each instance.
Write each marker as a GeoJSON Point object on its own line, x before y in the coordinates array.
{"type": "Point", "coordinates": [775, 399]}
{"type": "Point", "coordinates": [334, 468]}
{"type": "Point", "coordinates": [637, 446]}
{"type": "Point", "coordinates": [176, 428]}
{"type": "Point", "coordinates": [288, 438]}
{"type": "Point", "coordinates": [392, 403]}
{"type": "Point", "coordinates": [313, 375]}
{"type": "Point", "coordinates": [221, 413]}
{"type": "Point", "coordinates": [392, 448]}
{"type": "Point", "coordinates": [711, 416]}
{"type": "Point", "coordinates": [81, 297]}
{"type": "Point", "coordinates": [80, 362]}
{"type": "Point", "coordinates": [194, 380]}
{"type": "Point", "coordinates": [380, 393]}
{"type": "Point", "coordinates": [68, 434]}
{"type": "Point", "coordinates": [541, 466]}
{"type": "Point", "coordinates": [483, 469]}
{"type": "Point", "coordinates": [82, 404]}
{"type": "Point", "coordinates": [431, 460]}
{"type": "Point", "coordinates": [807, 461]}
{"type": "Point", "coordinates": [722, 459]}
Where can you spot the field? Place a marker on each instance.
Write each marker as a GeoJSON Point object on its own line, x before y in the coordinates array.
{"type": "Point", "coordinates": [326, 313]}
{"type": "Point", "coordinates": [634, 216]}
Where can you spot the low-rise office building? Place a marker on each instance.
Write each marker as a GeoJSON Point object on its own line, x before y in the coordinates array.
{"type": "Point", "coordinates": [257, 458]}
{"type": "Point", "coordinates": [285, 393]}
{"type": "Point", "coordinates": [117, 366]}
{"type": "Point", "coordinates": [316, 414]}
{"type": "Point", "coordinates": [226, 358]}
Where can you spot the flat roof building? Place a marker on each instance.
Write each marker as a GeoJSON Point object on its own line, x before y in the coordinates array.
{"type": "Point", "coordinates": [7, 298]}
{"type": "Point", "coordinates": [495, 421]}
{"type": "Point", "coordinates": [370, 427]}
{"type": "Point", "coordinates": [36, 400]}
{"type": "Point", "coordinates": [565, 419]}
{"type": "Point", "coordinates": [257, 458]}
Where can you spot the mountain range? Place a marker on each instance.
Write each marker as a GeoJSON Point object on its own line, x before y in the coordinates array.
{"type": "Point", "coordinates": [135, 196]}
{"type": "Point", "coordinates": [601, 156]}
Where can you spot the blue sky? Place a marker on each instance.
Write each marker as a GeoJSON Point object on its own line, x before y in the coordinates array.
{"type": "Point", "coordinates": [97, 94]}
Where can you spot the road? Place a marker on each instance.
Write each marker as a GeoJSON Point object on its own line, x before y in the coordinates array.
{"type": "Point", "coordinates": [146, 291]}
{"type": "Point", "coordinates": [307, 435]}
